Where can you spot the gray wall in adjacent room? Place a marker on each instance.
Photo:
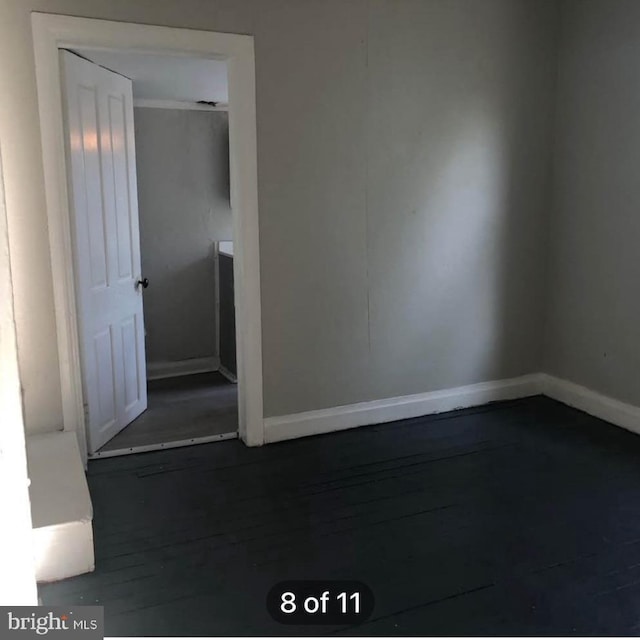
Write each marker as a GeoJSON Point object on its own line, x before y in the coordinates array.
{"type": "Point", "coordinates": [182, 161]}
{"type": "Point", "coordinates": [593, 335]}
{"type": "Point", "coordinates": [403, 166]}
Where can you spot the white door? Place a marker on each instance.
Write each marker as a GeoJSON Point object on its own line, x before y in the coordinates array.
{"type": "Point", "coordinates": [98, 106]}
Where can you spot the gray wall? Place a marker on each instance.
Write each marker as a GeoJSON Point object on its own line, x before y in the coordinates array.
{"type": "Point", "coordinates": [593, 335]}
{"type": "Point", "coordinates": [403, 150]}
{"type": "Point", "coordinates": [182, 160]}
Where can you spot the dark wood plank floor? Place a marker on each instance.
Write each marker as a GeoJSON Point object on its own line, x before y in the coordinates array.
{"type": "Point", "coordinates": [517, 518]}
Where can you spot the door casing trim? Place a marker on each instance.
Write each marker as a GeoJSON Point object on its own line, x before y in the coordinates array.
{"type": "Point", "coordinates": [53, 32]}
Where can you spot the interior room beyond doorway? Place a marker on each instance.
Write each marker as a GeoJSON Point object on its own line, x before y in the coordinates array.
{"type": "Point", "coordinates": [184, 217]}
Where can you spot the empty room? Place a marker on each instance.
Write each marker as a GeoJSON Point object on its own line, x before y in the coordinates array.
{"type": "Point", "coordinates": [318, 317]}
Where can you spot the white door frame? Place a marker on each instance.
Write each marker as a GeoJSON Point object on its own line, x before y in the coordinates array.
{"type": "Point", "coordinates": [53, 32]}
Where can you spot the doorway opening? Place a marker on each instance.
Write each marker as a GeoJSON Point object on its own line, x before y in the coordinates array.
{"type": "Point", "coordinates": [148, 159]}
{"type": "Point", "coordinates": [100, 363]}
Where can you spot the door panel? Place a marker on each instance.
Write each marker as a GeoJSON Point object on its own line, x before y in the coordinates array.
{"type": "Point", "coordinates": [101, 158]}
{"type": "Point", "coordinates": [106, 411]}
{"type": "Point", "coordinates": [89, 173]}
{"type": "Point", "coordinates": [117, 120]}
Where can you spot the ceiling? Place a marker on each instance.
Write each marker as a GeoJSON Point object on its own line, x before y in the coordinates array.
{"type": "Point", "coordinates": [157, 77]}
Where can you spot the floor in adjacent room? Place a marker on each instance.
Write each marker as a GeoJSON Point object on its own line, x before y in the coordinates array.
{"type": "Point", "coordinates": [518, 518]}
{"type": "Point", "coordinates": [195, 406]}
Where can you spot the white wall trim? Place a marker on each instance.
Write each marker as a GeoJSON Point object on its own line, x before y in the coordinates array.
{"type": "Point", "coordinates": [52, 32]}
{"type": "Point", "coordinates": [147, 103]}
{"type": "Point", "coordinates": [399, 408]}
{"type": "Point", "coordinates": [61, 507]}
{"type": "Point", "coordinates": [360, 414]}
{"type": "Point", "coordinates": [160, 370]}
{"type": "Point", "coordinates": [595, 404]}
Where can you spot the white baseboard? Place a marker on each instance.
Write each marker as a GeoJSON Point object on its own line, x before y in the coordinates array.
{"type": "Point", "coordinates": [400, 408]}
{"type": "Point", "coordinates": [63, 551]}
{"type": "Point", "coordinates": [595, 404]}
{"type": "Point", "coordinates": [159, 370]}
{"type": "Point", "coordinates": [61, 508]}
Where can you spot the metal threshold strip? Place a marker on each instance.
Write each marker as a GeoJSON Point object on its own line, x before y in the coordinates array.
{"type": "Point", "coordinates": [163, 445]}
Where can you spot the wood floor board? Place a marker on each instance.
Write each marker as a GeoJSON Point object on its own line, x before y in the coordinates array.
{"type": "Point", "coordinates": [210, 528]}
{"type": "Point", "coordinates": [521, 517]}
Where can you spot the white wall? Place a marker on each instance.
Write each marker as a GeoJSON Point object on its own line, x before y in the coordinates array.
{"type": "Point", "coordinates": [593, 335]}
{"type": "Point", "coordinates": [17, 578]}
{"type": "Point", "coordinates": [182, 161]}
{"type": "Point", "coordinates": [403, 151]}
